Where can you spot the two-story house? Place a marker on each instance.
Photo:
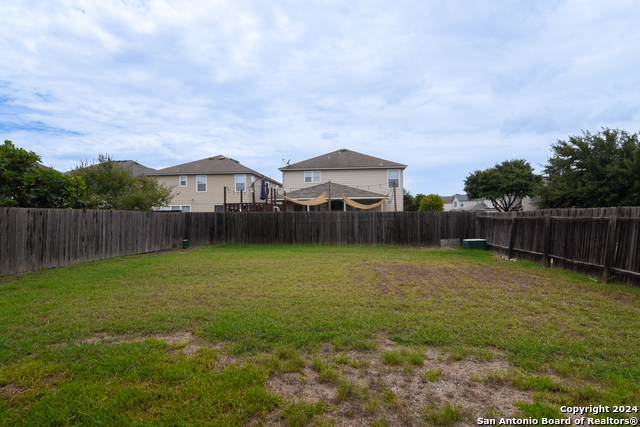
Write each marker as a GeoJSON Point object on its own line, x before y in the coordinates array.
{"type": "Point", "coordinates": [363, 179]}
{"type": "Point", "coordinates": [199, 186]}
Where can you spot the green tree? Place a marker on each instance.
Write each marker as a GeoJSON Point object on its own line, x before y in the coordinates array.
{"type": "Point", "coordinates": [411, 203]}
{"type": "Point", "coordinates": [432, 203]}
{"type": "Point", "coordinates": [592, 170]}
{"type": "Point", "coordinates": [408, 200]}
{"type": "Point", "coordinates": [23, 183]}
{"type": "Point", "coordinates": [111, 186]}
{"type": "Point", "coordinates": [505, 184]}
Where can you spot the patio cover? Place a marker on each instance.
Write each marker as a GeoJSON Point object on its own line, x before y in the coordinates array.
{"type": "Point", "coordinates": [360, 205]}
{"type": "Point", "coordinates": [317, 201]}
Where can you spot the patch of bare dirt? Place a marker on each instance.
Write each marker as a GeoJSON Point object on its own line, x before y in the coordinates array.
{"type": "Point", "coordinates": [53, 380]}
{"type": "Point", "coordinates": [11, 390]}
{"type": "Point", "coordinates": [429, 280]}
{"type": "Point", "coordinates": [428, 248]}
{"type": "Point", "coordinates": [184, 340]}
{"type": "Point", "coordinates": [460, 383]}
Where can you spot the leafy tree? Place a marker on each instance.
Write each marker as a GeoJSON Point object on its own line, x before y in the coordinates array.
{"type": "Point", "coordinates": [505, 184]}
{"type": "Point", "coordinates": [432, 203]}
{"type": "Point", "coordinates": [23, 183]}
{"type": "Point", "coordinates": [592, 170]}
{"type": "Point", "coordinates": [408, 200]}
{"type": "Point", "coordinates": [412, 203]}
{"type": "Point", "coordinates": [111, 186]}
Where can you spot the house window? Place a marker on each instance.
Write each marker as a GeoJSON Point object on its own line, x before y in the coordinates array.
{"type": "Point", "coordinates": [183, 180]}
{"type": "Point", "coordinates": [253, 184]}
{"type": "Point", "coordinates": [218, 208]}
{"type": "Point", "coordinates": [312, 176]}
{"type": "Point", "coordinates": [241, 182]}
{"type": "Point", "coordinates": [201, 181]}
{"type": "Point", "coordinates": [462, 204]}
{"type": "Point", "coordinates": [393, 178]}
{"type": "Point", "coordinates": [455, 204]}
{"type": "Point", "coordinates": [176, 208]}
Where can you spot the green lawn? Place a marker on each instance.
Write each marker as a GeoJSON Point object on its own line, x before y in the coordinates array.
{"type": "Point", "coordinates": [82, 345]}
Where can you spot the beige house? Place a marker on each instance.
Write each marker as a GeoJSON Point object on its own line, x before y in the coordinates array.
{"type": "Point", "coordinates": [200, 186]}
{"type": "Point", "coordinates": [362, 178]}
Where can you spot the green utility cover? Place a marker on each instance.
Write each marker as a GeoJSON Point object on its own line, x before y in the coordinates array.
{"type": "Point", "coordinates": [475, 244]}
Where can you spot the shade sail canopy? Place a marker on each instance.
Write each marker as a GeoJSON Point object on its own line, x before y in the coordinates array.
{"type": "Point", "coordinates": [360, 205]}
{"type": "Point", "coordinates": [313, 202]}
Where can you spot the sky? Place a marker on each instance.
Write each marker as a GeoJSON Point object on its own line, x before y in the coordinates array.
{"type": "Point", "coordinates": [444, 87]}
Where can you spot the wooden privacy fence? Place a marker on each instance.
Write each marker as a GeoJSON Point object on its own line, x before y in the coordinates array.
{"type": "Point", "coordinates": [599, 241]}
{"type": "Point", "coordinates": [35, 239]}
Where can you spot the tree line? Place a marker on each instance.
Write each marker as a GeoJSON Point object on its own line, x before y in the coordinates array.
{"type": "Point", "coordinates": [585, 171]}
{"type": "Point", "coordinates": [24, 182]}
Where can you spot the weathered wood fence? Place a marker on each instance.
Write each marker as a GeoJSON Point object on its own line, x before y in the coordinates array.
{"type": "Point", "coordinates": [35, 239]}
{"type": "Point", "coordinates": [600, 242]}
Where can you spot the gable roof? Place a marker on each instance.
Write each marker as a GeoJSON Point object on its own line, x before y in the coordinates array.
{"type": "Point", "coordinates": [136, 168]}
{"type": "Point", "coordinates": [447, 199]}
{"type": "Point", "coordinates": [217, 165]}
{"type": "Point", "coordinates": [316, 190]}
{"type": "Point", "coordinates": [343, 159]}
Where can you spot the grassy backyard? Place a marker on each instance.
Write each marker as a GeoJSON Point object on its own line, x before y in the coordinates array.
{"type": "Point", "coordinates": [312, 335]}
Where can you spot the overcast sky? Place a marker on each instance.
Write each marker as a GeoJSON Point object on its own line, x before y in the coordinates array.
{"type": "Point", "coordinates": [445, 87]}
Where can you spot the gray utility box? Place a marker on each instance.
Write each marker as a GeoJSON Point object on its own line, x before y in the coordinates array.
{"type": "Point", "coordinates": [475, 244]}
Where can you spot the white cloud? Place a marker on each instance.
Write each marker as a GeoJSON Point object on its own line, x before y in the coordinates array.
{"type": "Point", "coordinates": [445, 87]}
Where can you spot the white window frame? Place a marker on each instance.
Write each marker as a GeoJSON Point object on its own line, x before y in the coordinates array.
{"type": "Point", "coordinates": [313, 176]}
{"type": "Point", "coordinates": [243, 179]}
{"type": "Point", "coordinates": [389, 179]}
{"type": "Point", "coordinates": [185, 180]}
{"type": "Point", "coordinates": [198, 183]}
{"type": "Point", "coordinates": [175, 208]}
{"type": "Point", "coordinates": [253, 182]}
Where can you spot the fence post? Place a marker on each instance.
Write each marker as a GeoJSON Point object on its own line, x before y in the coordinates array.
{"type": "Point", "coordinates": [512, 237]}
{"type": "Point", "coordinates": [546, 243]}
{"type": "Point", "coordinates": [609, 248]}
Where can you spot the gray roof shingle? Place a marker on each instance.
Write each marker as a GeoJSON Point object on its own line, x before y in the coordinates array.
{"type": "Point", "coordinates": [343, 159]}
{"type": "Point", "coordinates": [216, 165]}
{"type": "Point", "coordinates": [136, 168]}
{"type": "Point", "coordinates": [350, 192]}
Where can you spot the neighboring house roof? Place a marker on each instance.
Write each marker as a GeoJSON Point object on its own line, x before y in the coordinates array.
{"type": "Point", "coordinates": [461, 197]}
{"type": "Point", "coordinates": [136, 168]}
{"type": "Point", "coordinates": [316, 190]}
{"type": "Point", "coordinates": [343, 159]}
{"type": "Point", "coordinates": [217, 165]}
{"type": "Point", "coordinates": [447, 199]}
{"type": "Point", "coordinates": [41, 166]}
{"type": "Point", "coordinates": [477, 207]}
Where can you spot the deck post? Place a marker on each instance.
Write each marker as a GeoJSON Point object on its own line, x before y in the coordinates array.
{"type": "Point", "coordinates": [395, 199]}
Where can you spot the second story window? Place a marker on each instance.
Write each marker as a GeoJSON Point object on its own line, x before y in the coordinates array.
{"type": "Point", "coordinates": [241, 182]}
{"type": "Point", "coordinates": [183, 180]}
{"type": "Point", "coordinates": [313, 176]}
{"type": "Point", "coordinates": [393, 178]}
{"type": "Point", "coordinates": [201, 183]}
